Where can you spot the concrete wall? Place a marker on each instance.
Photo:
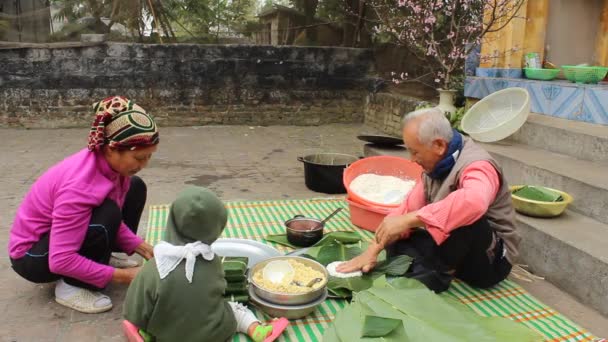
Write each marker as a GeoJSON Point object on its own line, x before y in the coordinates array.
{"type": "Point", "coordinates": [384, 111]}
{"type": "Point", "coordinates": [30, 20]}
{"type": "Point", "coordinates": [186, 84]}
{"type": "Point", "coordinates": [572, 31]}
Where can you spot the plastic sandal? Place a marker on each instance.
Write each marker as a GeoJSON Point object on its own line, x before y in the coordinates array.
{"type": "Point", "coordinates": [131, 332]}
{"type": "Point", "coordinates": [278, 326]}
{"type": "Point", "coordinates": [84, 301]}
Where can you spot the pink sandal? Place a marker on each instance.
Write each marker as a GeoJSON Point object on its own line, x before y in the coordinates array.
{"type": "Point", "coordinates": [278, 326]}
{"type": "Point", "coordinates": [131, 332]}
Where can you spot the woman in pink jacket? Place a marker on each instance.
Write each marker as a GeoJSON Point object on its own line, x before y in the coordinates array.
{"type": "Point", "coordinates": [86, 207]}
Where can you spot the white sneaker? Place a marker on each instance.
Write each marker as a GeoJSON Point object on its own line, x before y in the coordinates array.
{"type": "Point", "coordinates": [80, 299]}
{"type": "Point", "coordinates": [244, 317]}
{"type": "Point", "coordinates": [121, 260]}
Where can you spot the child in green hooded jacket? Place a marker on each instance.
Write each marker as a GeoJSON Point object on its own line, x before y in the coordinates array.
{"type": "Point", "coordinates": [169, 304]}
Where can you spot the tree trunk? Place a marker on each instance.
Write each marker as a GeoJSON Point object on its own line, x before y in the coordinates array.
{"type": "Point", "coordinates": [362, 36]}
{"type": "Point", "coordinates": [350, 22]}
{"type": "Point", "coordinates": [310, 9]}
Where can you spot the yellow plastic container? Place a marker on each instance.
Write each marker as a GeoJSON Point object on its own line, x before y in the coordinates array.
{"type": "Point", "coordinates": [539, 208]}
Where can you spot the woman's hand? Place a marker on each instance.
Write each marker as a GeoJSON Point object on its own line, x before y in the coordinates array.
{"type": "Point", "coordinates": [125, 275]}
{"type": "Point", "coordinates": [145, 250]}
{"type": "Point", "coordinates": [364, 262]}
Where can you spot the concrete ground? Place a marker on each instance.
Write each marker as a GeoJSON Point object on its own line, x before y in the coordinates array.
{"type": "Point", "coordinates": [238, 162]}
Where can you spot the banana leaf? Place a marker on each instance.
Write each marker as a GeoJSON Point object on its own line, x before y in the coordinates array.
{"type": "Point", "coordinates": [538, 193]}
{"type": "Point", "coordinates": [236, 288]}
{"type": "Point", "coordinates": [343, 287]}
{"type": "Point", "coordinates": [345, 328]}
{"type": "Point", "coordinates": [422, 316]}
{"type": "Point", "coordinates": [395, 266]}
{"type": "Point", "coordinates": [497, 324]}
{"type": "Point", "coordinates": [234, 268]}
{"type": "Point", "coordinates": [325, 255]}
{"type": "Point", "coordinates": [344, 237]}
{"type": "Point", "coordinates": [335, 251]}
{"type": "Point", "coordinates": [377, 326]}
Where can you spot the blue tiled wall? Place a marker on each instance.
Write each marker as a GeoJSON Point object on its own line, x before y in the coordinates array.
{"type": "Point", "coordinates": [499, 72]}
{"type": "Point", "coordinates": [563, 99]}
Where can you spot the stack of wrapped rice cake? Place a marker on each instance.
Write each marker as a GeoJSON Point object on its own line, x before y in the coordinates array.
{"type": "Point", "coordinates": [234, 273]}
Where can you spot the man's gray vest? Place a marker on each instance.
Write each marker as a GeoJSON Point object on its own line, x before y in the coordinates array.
{"type": "Point", "coordinates": [500, 214]}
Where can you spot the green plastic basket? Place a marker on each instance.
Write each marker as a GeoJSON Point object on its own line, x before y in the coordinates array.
{"type": "Point", "coordinates": [584, 74]}
{"type": "Point", "coordinates": [541, 74]}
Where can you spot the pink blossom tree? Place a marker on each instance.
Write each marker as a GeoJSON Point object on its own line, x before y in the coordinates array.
{"type": "Point", "coordinates": [442, 33]}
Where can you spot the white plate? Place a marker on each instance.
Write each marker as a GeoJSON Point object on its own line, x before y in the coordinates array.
{"type": "Point", "coordinates": [254, 250]}
{"type": "Point", "coordinates": [298, 252]}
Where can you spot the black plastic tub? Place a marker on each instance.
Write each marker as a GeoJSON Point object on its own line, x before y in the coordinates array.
{"type": "Point", "coordinates": [323, 171]}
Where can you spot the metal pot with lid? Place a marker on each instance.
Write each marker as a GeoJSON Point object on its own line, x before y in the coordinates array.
{"type": "Point", "coordinates": [323, 172]}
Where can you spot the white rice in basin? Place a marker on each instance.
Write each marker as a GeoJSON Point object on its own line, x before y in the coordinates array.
{"type": "Point", "coordinates": [331, 268]}
{"type": "Point", "coordinates": [381, 189]}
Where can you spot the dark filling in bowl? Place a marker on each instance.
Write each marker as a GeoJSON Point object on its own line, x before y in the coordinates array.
{"type": "Point", "coordinates": [303, 225]}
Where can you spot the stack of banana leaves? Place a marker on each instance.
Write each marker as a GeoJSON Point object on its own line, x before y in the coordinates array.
{"type": "Point", "coordinates": [405, 310]}
{"type": "Point", "coordinates": [538, 193]}
{"type": "Point", "coordinates": [386, 306]}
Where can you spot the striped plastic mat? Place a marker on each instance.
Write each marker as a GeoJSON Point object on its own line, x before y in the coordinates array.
{"type": "Point", "coordinates": [256, 219]}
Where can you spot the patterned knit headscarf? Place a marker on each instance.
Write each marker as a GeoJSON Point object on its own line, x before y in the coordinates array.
{"type": "Point", "coordinates": [122, 124]}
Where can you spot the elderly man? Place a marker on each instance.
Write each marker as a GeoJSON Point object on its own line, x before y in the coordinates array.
{"type": "Point", "coordinates": [457, 221]}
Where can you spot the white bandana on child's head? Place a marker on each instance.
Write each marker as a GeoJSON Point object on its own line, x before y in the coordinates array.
{"type": "Point", "coordinates": [169, 256]}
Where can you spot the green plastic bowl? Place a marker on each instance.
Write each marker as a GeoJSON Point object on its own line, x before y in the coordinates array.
{"type": "Point", "coordinates": [584, 74]}
{"type": "Point", "coordinates": [541, 74]}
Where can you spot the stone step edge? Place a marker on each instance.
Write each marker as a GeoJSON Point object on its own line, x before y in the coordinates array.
{"type": "Point", "coordinates": [570, 253]}
{"type": "Point", "coordinates": [584, 171]}
{"type": "Point", "coordinates": [578, 127]}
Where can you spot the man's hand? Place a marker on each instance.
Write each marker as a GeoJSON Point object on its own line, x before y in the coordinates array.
{"type": "Point", "coordinates": [125, 275]}
{"type": "Point", "coordinates": [390, 230]}
{"type": "Point", "coordinates": [364, 262]}
{"type": "Point", "coordinates": [145, 250]}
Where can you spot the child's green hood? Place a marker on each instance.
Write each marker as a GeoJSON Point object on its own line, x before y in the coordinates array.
{"type": "Point", "coordinates": [196, 215]}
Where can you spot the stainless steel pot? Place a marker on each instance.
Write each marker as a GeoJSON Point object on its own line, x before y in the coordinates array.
{"type": "Point", "coordinates": [287, 311]}
{"type": "Point", "coordinates": [289, 298]}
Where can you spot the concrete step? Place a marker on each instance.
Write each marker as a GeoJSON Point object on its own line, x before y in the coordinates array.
{"type": "Point", "coordinates": [570, 252]}
{"type": "Point", "coordinates": [586, 181]}
{"type": "Point", "coordinates": [574, 138]}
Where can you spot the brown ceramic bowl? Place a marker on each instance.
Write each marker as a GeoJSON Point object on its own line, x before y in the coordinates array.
{"type": "Point", "coordinates": [300, 231]}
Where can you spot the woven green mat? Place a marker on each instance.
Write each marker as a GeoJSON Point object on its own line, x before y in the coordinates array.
{"type": "Point", "coordinates": [256, 219]}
